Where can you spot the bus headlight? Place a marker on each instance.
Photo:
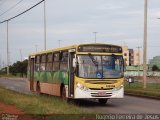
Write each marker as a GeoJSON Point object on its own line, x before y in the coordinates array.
{"type": "Point", "coordinates": [82, 87]}
{"type": "Point", "coordinates": [79, 85]}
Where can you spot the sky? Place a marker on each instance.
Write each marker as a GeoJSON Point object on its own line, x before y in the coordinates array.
{"type": "Point", "coordinates": [74, 21]}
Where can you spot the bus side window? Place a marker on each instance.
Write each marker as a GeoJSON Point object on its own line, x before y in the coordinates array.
{"type": "Point", "coordinates": [49, 62]}
{"type": "Point", "coordinates": [64, 61]}
{"type": "Point", "coordinates": [43, 63]}
{"type": "Point", "coordinates": [56, 62]}
{"type": "Point", "coordinates": [37, 63]}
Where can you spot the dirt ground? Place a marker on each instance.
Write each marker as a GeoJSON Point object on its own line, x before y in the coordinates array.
{"type": "Point", "coordinates": [10, 112]}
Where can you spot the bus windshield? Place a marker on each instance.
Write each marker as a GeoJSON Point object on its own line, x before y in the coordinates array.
{"type": "Point", "coordinates": [98, 66]}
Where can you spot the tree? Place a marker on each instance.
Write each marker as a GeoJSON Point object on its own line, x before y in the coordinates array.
{"type": "Point", "coordinates": [24, 67]}
{"type": "Point", "coordinates": [3, 71]}
{"type": "Point", "coordinates": [155, 68]}
{"type": "Point", "coordinates": [19, 67]}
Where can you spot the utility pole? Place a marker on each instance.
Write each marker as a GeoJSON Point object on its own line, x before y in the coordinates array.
{"type": "Point", "coordinates": [0, 62]}
{"type": "Point", "coordinates": [45, 25]}
{"type": "Point", "coordinates": [59, 41]}
{"type": "Point", "coordinates": [20, 51]}
{"type": "Point", "coordinates": [138, 61]}
{"type": "Point", "coordinates": [7, 52]}
{"type": "Point", "coordinates": [36, 47]}
{"type": "Point", "coordinates": [145, 46]}
{"type": "Point", "coordinates": [95, 36]}
{"type": "Point", "coordinates": [3, 64]}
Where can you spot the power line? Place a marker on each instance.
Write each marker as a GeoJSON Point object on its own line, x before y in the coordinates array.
{"type": "Point", "coordinates": [11, 7]}
{"type": "Point", "coordinates": [22, 12]}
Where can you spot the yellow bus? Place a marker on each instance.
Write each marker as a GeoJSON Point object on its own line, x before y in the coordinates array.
{"type": "Point", "coordinates": [84, 71]}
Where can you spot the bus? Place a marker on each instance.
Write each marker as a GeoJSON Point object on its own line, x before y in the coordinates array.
{"type": "Point", "coordinates": [83, 71]}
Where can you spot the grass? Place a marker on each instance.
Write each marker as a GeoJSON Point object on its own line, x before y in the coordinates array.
{"type": "Point", "coordinates": [10, 75]}
{"type": "Point", "coordinates": [18, 75]}
{"type": "Point", "coordinates": [42, 106]}
{"type": "Point", "coordinates": [1, 110]}
{"type": "Point", "coordinates": [35, 104]}
{"type": "Point", "coordinates": [152, 90]}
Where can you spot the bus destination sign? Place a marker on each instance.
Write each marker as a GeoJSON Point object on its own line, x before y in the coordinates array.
{"type": "Point", "coordinates": [100, 48]}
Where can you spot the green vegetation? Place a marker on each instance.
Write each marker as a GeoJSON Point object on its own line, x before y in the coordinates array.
{"type": "Point", "coordinates": [35, 104]}
{"type": "Point", "coordinates": [136, 88]}
{"type": "Point", "coordinates": [1, 110]}
{"type": "Point", "coordinates": [155, 68]}
{"type": "Point", "coordinates": [18, 69]}
{"type": "Point", "coordinates": [9, 76]}
{"type": "Point", "coordinates": [3, 71]}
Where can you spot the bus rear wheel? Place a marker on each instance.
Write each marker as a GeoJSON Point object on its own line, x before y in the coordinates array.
{"type": "Point", "coordinates": [102, 101]}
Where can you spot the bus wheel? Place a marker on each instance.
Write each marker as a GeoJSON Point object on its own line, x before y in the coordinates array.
{"type": "Point", "coordinates": [102, 101]}
{"type": "Point", "coordinates": [38, 87]}
{"type": "Point", "coordinates": [63, 94]}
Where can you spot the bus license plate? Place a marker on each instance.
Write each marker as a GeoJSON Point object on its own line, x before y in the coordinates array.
{"type": "Point", "coordinates": [101, 93]}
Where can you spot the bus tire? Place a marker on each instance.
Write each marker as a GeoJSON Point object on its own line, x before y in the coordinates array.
{"type": "Point", "coordinates": [38, 87]}
{"type": "Point", "coordinates": [102, 101]}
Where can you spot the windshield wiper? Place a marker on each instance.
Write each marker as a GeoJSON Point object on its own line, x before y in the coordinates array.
{"type": "Point", "coordinates": [93, 60]}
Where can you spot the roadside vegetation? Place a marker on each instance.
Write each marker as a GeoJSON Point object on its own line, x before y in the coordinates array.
{"type": "Point", "coordinates": [17, 69]}
{"type": "Point", "coordinates": [10, 76]}
{"type": "Point", "coordinates": [38, 104]}
{"type": "Point", "coordinates": [136, 88]}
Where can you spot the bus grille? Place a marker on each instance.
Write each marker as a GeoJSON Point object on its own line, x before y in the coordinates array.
{"type": "Point", "coordinates": [100, 88]}
{"type": "Point", "coordinates": [103, 95]}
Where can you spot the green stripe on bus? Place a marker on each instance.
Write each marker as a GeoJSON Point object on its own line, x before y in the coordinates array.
{"type": "Point", "coordinates": [51, 77]}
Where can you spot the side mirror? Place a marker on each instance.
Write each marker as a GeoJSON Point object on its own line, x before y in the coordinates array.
{"type": "Point", "coordinates": [74, 62]}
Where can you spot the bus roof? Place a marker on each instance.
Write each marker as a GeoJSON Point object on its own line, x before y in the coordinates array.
{"type": "Point", "coordinates": [68, 47]}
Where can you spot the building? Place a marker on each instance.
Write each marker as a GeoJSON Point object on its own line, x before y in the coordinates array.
{"type": "Point", "coordinates": [131, 56]}
{"type": "Point", "coordinates": [154, 61]}
{"type": "Point", "coordinates": [126, 55]}
{"type": "Point", "coordinates": [137, 57]}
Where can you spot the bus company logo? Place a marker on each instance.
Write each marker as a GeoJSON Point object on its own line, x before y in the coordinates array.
{"type": "Point", "coordinates": [110, 86]}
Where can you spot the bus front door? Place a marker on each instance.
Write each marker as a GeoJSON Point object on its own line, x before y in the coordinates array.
{"type": "Point", "coordinates": [71, 74]}
{"type": "Point", "coordinates": [32, 74]}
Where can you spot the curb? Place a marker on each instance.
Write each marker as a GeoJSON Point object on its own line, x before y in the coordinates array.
{"type": "Point", "coordinates": [142, 96]}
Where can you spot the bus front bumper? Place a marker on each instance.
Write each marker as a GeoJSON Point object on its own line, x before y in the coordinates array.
{"type": "Point", "coordinates": [114, 93]}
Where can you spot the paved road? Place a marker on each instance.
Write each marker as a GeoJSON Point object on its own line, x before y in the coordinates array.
{"type": "Point", "coordinates": [18, 85]}
{"type": "Point", "coordinates": [128, 104]}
